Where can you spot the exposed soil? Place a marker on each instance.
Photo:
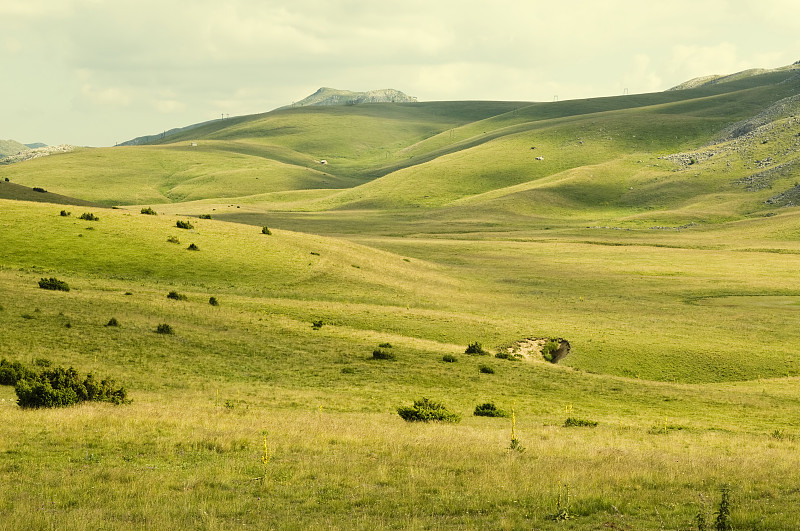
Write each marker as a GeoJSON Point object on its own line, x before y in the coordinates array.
{"type": "Point", "coordinates": [530, 349]}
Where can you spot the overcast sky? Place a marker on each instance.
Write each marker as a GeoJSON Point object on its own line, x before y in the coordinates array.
{"type": "Point", "coordinates": [96, 72]}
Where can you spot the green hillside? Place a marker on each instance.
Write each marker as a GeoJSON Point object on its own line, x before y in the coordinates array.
{"type": "Point", "coordinates": [268, 344]}
{"type": "Point", "coordinates": [10, 147]}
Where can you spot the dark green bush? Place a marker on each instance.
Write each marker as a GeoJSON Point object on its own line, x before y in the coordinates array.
{"type": "Point", "coordinates": [174, 295]}
{"type": "Point", "coordinates": [319, 323]}
{"type": "Point", "coordinates": [53, 284]}
{"type": "Point", "coordinates": [379, 354]}
{"type": "Point", "coordinates": [580, 423]}
{"type": "Point", "coordinates": [508, 356]}
{"type": "Point", "coordinates": [64, 213]}
{"type": "Point", "coordinates": [183, 224]}
{"type": "Point", "coordinates": [88, 216]}
{"type": "Point", "coordinates": [39, 189]}
{"type": "Point", "coordinates": [164, 328]}
{"type": "Point", "coordinates": [193, 247]}
{"type": "Point", "coordinates": [204, 216]}
{"type": "Point", "coordinates": [385, 345]}
{"type": "Point", "coordinates": [173, 239]}
{"type": "Point", "coordinates": [475, 348]}
{"type": "Point", "coordinates": [42, 362]}
{"type": "Point", "coordinates": [449, 358]}
{"type": "Point", "coordinates": [13, 371]}
{"type": "Point", "coordinates": [489, 410]}
{"type": "Point", "coordinates": [112, 322]}
{"type": "Point", "coordinates": [426, 410]}
{"type": "Point", "coordinates": [149, 211]}
{"type": "Point", "coordinates": [63, 387]}
{"type": "Point", "coordinates": [265, 230]}
{"type": "Point", "coordinates": [485, 369]}
{"type": "Point", "coordinates": [549, 349]}
{"type": "Point", "coordinates": [213, 301]}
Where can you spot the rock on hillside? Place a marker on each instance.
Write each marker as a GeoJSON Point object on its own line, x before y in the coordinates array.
{"type": "Point", "coordinates": [27, 154]}
{"type": "Point", "coordinates": [705, 81]}
{"type": "Point", "coordinates": [330, 96]}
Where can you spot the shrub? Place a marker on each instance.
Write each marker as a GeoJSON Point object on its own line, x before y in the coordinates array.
{"type": "Point", "coordinates": [508, 356]}
{"type": "Point", "coordinates": [174, 295]}
{"type": "Point", "coordinates": [485, 369]}
{"type": "Point", "coordinates": [475, 348]}
{"type": "Point", "coordinates": [319, 323]}
{"type": "Point", "coordinates": [205, 216]}
{"type": "Point", "coordinates": [63, 387]}
{"type": "Point", "coordinates": [112, 322]}
{"type": "Point", "coordinates": [193, 247]}
{"type": "Point", "coordinates": [379, 354]}
{"type": "Point", "coordinates": [489, 410]}
{"type": "Point", "coordinates": [88, 216]}
{"type": "Point", "coordinates": [572, 422]}
{"type": "Point", "coordinates": [42, 362]}
{"type": "Point", "coordinates": [39, 189]}
{"type": "Point", "coordinates": [213, 301]}
{"type": "Point", "coordinates": [53, 284]}
{"type": "Point", "coordinates": [183, 224]}
{"type": "Point", "coordinates": [13, 371]}
{"type": "Point", "coordinates": [426, 410]}
{"type": "Point", "coordinates": [164, 328]}
{"type": "Point", "coordinates": [149, 211]}
{"type": "Point", "coordinates": [173, 239]}
{"type": "Point", "coordinates": [385, 345]}
{"type": "Point", "coordinates": [549, 349]}
{"type": "Point", "coordinates": [265, 230]}
{"type": "Point", "coordinates": [449, 358]}
{"type": "Point", "coordinates": [64, 213]}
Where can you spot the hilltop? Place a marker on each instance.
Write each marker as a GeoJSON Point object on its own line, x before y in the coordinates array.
{"type": "Point", "coordinates": [11, 147]}
{"type": "Point", "coordinates": [330, 96]}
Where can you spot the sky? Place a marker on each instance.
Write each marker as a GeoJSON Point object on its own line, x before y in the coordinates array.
{"type": "Point", "coordinates": [96, 72]}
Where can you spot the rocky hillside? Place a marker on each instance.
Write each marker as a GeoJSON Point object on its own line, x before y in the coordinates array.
{"type": "Point", "coordinates": [11, 147]}
{"type": "Point", "coordinates": [330, 96]}
{"type": "Point", "coordinates": [27, 154]}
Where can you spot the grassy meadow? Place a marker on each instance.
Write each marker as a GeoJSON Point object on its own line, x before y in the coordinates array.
{"type": "Point", "coordinates": [645, 237]}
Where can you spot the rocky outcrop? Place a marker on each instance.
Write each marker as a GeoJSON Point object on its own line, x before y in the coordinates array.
{"type": "Point", "coordinates": [29, 154]}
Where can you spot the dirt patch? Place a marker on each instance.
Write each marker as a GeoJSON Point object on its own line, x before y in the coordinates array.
{"type": "Point", "coordinates": [530, 349]}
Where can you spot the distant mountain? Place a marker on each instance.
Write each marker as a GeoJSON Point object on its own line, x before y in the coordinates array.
{"type": "Point", "coordinates": [11, 147]}
{"type": "Point", "coordinates": [330, 96]}
{"type": "Point", "coordinates": [36, 145]}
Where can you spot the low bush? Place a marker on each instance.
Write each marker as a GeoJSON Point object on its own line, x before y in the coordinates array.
{"type": "Point", "coordinates": [193, 247]}
{"type": "Point", "coordinates": [348, 370]}
{"type": "Point", "coordinates": [385, 345]}
{"type": "Point", "coordinates": [485, 369]}
{"type": "Point", "coordinates": [475, 348]}
{"type": "Point", "coordinates": [572, 422]}
{"type": "Point", "coordinates": [63, 387]}
{"type": "Point", "coordinates": [13, 371]}
{"type": "Point", "coordinates": [53, 284]}
{"type": "Point", "coordinates": [508, 356]}
{"type": "Point", "coordinates": [112, 322]}
{"type": "Point", "coordinates": [64, 213]}
{"type": "Point", "coordinates": [164, 328]}
{"type": "Point", "coordinates": [489, 410]}
{"type": "Point", "coordinates": [449, 358]}
{"type": "Point", "coordinates": [183, 224]}
{"type": "Point", "coordinates": [149, 211]}
{"type": "Point", "coordinates": [173, 239]}
{"type": "Point", "coordinates": [319, 323]}
{"type": "Point", "coordinates": [42, 362]}
{"type": "Point", "coordinates": [88, 216]}
{"type": "Point", "coordinates": [174, 295]}
{"type": "Point", "coordinates": [265, 230]}
{"type": "Point", "coordinates": [204, 216]}
{"type": "Point", "coordinates": [213, 301]}
{"type": "Point", "coordinates": [379, 354]}
{"type": "Point", "coordinates": [426, 410]}
{"type": "Point", "coordinates": [39, 189]}
{"type": "Point", "coordinates": [549, 349]}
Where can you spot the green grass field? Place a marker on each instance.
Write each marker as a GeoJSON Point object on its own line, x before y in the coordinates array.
{"type": "Point", "coordinates": [433, 226]}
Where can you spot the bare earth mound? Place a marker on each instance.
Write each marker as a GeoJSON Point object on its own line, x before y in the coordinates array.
{"type": "Point", "coordinates": [530, 349]}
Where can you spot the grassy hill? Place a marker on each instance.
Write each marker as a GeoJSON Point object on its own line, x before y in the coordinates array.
{"type": "Point", "coordinates": [658, 235]}
{"type": "Point", "coordinates": [10, 147]}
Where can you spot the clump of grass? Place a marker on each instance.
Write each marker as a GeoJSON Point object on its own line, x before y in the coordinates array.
{"type": "Point", "coordinates": [112, 322]}
{"type": "Point", "coordinates": [426, 410]}
{"type": "Point", "coordinates": [173, 239]}
{"type": "Point", "coordinates": [164, 328]}
{"type": "Point", "coordinates": [385, 345]}
{"type": "Point", "coordinates": [449, 358]}
{"type": "Point", "coordinates": [573, 422]}
{"type": "Point", "coordinates": [562, 507]}
{"type": "Point", "coordinates": [380, 354]}
{"type": "Point", "coordinates": [317, 324]}
{"type": "Point", "coordinates": [65, 214]}
{"type": "Point", "coordinates": [475, 348]}
{"type": "Point", "coordinates": [183, 224]}
{"type": "Point", "coordinates": [149, 211]}
{"type": "Point", "coordinates": [174, 295]}
{"type": "Point", "coordinates": [42, 362]}
{"type": "Point", "coordinates": [489, 410]}
{"type": "Point", "coordinates": [485, 369]}
{"type": "Point", "coordinates": [205, 216]}
{"type": "Point", "coordinates": [213, 301]}
{"type": "Point", "coordinates": [193, 247]}
{"type": "Point", "coordinates": [88, 216]}
{"type": "Point", "coordinates": [265, 230]}
{"type": "Point", "coordinates": [348, 370]}
{"type": "Point", "coordinates": [508, 356]}
{"type": "Point", "coordinates": [53, 284]}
